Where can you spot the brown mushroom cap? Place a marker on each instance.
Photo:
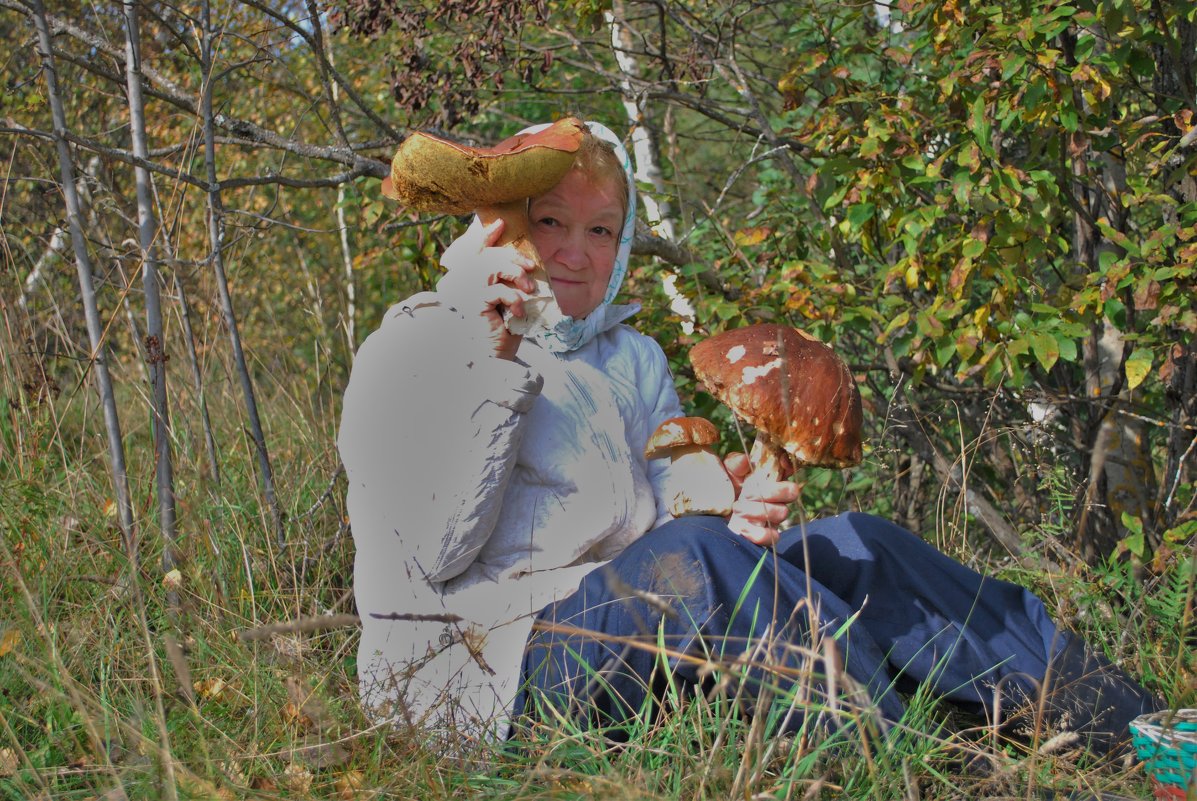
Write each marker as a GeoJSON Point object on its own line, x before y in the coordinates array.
{"type": "Point", "coordinates": [433, 174]}
{"type": "Point", "coordinates": [680, 432]}
{"type": "Point", "coordinates": [789, 386]}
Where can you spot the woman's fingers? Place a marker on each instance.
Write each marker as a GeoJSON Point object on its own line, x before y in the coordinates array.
{"type": "Point", "coordinates": [765, 514]}
{"type": "Point", "coordinates": [761, 509]}
{"type": "Point", "coordinates": [475, 258]}
{"type": "Point", "coordinates": [507, 298]}
{"type": "Point", "coordinates": [753, 530]}
{"type": "Point", "coordinates": [492, 232]}
{"type": "Point", "coordinates": [737, 467]}
{"type": "Point", "coordinates": [514, 270]}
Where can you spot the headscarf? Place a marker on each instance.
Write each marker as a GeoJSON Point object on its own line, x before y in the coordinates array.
{"type": "Point", "coordinates": [571, 333]}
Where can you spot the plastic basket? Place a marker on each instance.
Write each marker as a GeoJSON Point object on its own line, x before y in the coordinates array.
{"type": "Point", "coordinates": [1167, 744]}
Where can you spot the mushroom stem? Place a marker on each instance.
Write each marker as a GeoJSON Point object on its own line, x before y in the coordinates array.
{"type": "Point", "coordinates": [515, 225]}
{"type": "Point", "coordinates": [698, 483]}
{"type": "Point", "coordinates": [542, 304]}
{"type": "Point", "coordinates": [768, 463]}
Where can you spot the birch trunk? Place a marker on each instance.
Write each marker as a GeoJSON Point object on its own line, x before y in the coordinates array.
{"type": "Point", "coordinates": [645, 158]}
{"type": "Point", "coordinates": [342, 228]}
{"type": "Point", "coordinates": [155, 339]}
{"type": "Point", "coordinates": [91, 312]}
{"type": "Point", "coordinates": [60, 239]}
{"type": "Point", "coordinates": [216, 238]}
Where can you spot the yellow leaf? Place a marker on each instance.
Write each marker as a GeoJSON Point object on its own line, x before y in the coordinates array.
{"type": "Point", "coordinates": [746, 237]}
{"type": "Point", "coordinates": [9, 641]}
{"type": "Point", "coordinates": [173, 580]}
{"type": "Point", "coordinates": [1137, 368]}
{"type": "Point", "coordinates": [912, 276]}
{"type": "Point", "coordinates": [209, 688]}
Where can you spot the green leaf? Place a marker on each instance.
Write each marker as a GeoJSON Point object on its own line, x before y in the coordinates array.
{"type": "Point", "coordinates": [1067, 346]}
{"type": "Point", "coordinates": [1137, 367]}
{"type": "Point", "coordinates": [982, 129]}
{"type": "Point", "coordinates": [1068, 118]}
{"type": "Point", "coordinates": [900, 320]}
{"type": "Point", "coordinates": [1046, 349]}
{"type": "Point", "coordinates": [1134, 542]}
{"type": "Point", "coordinates": [972, 248]}
{"type": "Point", "coordinates": [859, 214]}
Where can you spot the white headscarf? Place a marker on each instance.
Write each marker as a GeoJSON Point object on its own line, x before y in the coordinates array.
{"type": "Point", "coordinates": [571, 333]}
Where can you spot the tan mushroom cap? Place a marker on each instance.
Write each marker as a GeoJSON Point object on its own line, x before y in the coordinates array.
{"type": "Point", "coordinates": [680, 432]}
{"type": "Point", "coordinates": [790, 387]}
{"type": "Point", "coordinates": [435, 175]}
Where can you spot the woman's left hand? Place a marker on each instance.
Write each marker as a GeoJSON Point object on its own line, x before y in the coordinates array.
{"type": "Point", "coordinates": [757, 513]}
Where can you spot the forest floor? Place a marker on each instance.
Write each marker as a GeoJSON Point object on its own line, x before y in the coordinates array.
{"type": "Point", "coordinates": [234, 677]}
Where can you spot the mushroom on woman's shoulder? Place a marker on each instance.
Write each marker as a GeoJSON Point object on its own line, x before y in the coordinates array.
{"type": "Point", "coordinates": [432, 174]}
{"type": "Point", "coordinates": [697, 483]}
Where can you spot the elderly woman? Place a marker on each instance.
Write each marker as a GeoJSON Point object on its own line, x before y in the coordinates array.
{"type": "Point", "coordinates": [515, 551]}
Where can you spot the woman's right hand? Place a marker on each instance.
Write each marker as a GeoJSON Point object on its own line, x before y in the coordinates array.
{"type": "Point", "coordinates": [487, 279]}
{"type": "Point", "coordinates": [760, 510]}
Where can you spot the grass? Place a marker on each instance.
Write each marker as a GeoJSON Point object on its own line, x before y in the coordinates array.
{"type": "Point", "coordinates": [107, 692]}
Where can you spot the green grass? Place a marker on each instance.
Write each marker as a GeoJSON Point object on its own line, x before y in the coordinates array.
{"type": "Point", "coordinates": [107, 692]}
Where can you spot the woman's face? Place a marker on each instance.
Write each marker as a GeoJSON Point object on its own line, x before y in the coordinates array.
{"type": "Point", "coordinates": [575, 228]}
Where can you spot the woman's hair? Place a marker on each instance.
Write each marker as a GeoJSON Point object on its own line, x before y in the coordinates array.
{"type": "Point", "coordinates": [596, 160]}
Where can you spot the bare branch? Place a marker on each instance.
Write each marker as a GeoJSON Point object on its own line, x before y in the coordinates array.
{"type": "Point", "coordinates": [166, 90]}
{"type": "Point", "coordinates": [344, 85]}
{"type": "Point", "coordinates": [303, 625]}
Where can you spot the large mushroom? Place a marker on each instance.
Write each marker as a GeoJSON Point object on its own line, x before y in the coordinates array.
{"type": "Point", "coordinates": [697, 483]}
{"type": "Point", "coordinates": [796, 392]}
{"type": "Point", "coordinates": [432, 174]}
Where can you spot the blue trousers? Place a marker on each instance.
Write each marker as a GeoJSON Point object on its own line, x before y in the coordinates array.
{"type": "Point", "coordinates": [690, 598]}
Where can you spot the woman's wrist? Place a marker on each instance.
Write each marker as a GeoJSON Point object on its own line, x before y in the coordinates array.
{"type": "Point", "coordinates": [509, 348]}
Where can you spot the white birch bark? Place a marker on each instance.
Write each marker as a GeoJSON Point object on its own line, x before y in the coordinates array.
{"type": "Point", "coordinates": [346, 251]}
{"type": "Point", "coordinates": [645, 161]}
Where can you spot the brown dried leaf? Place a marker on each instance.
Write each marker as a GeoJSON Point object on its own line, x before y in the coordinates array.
{"type": "Point", "coordinates": [293, 715]}
{"type": "Point", "coordinates": [310, 706]}
{"type": "Point", "coordinates": [349, 785]}
{"type": "Point", "coordinates": [1147, 296]}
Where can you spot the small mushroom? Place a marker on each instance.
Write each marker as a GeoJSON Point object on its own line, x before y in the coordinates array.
{"type": "Point", "coordinates": [697, 483]}
{"type": "Point", "coordinates": [432, 174]}
{"type": "Point", "coordinates": [796, 392]}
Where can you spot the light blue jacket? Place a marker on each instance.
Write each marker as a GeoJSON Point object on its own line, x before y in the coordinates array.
{"type": "Point", "coordinates": [484, 489]}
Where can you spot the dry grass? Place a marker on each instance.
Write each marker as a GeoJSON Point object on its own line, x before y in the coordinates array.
{"type": "Point", "coordinates": [108, 692]}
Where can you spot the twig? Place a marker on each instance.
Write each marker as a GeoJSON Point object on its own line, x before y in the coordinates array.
{"type": "Point", "coordinates": [1179, 472]}
{"type": "Point", "coordinates": [433, 618]}
{"type": "Point", "coordinates": [302, 625]}
{"type": "Point", "coordinates": [332, 483]}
